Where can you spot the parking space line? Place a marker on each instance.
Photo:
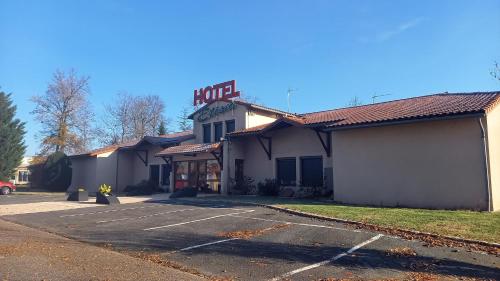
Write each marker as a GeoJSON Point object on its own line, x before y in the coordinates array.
{"type": "Point", "coordinates": [193, 221]}
{"type": "Point", "coordinates": [148, 216]}
{"type": "Point", "coordinates": [374, 238]}
{"type": "Point", "coordinates": [302, 224]}
{"type": "Point", "coordinates": [206, 244]}
{"type": "Point", "coordinates": [109, 211]}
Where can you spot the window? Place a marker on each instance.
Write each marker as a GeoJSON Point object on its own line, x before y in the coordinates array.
{"type": "Point", "coordinates": [218, 131]}
{"type": "Point", "coordinates": [207, 133]}
{"type": "Point", "coordinates": [165, 174]}
{"type": "Point", "coordinates": [213, 175]}
{"type": "Point", "coordinates": [311, 169]}
{"type": "Point", "coordinates": [181, 174]}
{"type": "Point", "coordinates": [230, 126]}
{"type": "Point", "coordinates": [154, 173]}
{"type": "Point", "coordinates": [287, 174]}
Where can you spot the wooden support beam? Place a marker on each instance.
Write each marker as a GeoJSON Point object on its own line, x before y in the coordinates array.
{"type": "Point", "coordinates": [269, 149]}
{"type": "Point", "coordinates": [219, 157]}
{"type": "Point", "coordinates": [143, 159]}
{"type": "Point", "coordinates": [327, 145]}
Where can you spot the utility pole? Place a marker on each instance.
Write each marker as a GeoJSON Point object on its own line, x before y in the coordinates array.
{"type": "Point", "coordinates": [378, 96]}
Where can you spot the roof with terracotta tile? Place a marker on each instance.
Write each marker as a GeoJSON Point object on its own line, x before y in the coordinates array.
{"type": "Point", "coordinates": [190, 148]}
{"type": "Point", "coordinates": [411, 108]}
{"type": "Point", "coordinates": [157, 140]}
{"type": "Point", "coordinates": [437, 105]}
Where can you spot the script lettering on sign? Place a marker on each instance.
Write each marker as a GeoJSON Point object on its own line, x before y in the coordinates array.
{"type": "Point", "coordinates": [208, 113]}
{"type": "Point", "coordinates": [221, 91]}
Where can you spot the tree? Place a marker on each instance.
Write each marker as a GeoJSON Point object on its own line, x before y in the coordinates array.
{"type": "Point", "coordinates": [184, 123]}
{"type": "Point", "coordinates": [65, 114]}
{"type": "Point", "coordinates": [495, 72]}
{"type": "Point", "coordinates": [12, 132]}
{"type": "Point", "coordinates": [132, 117]}
{"type": "Point", "coordinates": [355, 101]}
{"type": "Point", "coordinates": [162, 130]}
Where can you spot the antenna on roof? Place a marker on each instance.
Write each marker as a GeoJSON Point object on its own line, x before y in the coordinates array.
{"type": "Point", "coordinates": [378, 96]}
{"type": "Point", "coordinates": [290, 92]}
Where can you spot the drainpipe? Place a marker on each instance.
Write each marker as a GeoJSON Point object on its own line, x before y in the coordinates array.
{"type": "Point", "coordinates": [484, 143]}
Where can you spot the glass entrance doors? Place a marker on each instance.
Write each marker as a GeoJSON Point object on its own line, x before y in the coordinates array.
{"type": "Point", "coordinates": [201, 174]}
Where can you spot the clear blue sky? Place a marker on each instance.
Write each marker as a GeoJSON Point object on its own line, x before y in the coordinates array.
{"type": "Point", "coordinates": [329, 50]}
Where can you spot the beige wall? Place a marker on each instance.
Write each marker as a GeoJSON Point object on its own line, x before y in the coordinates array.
{"type": "Point", "coordinates": [288, 142]}
{"type": "Point", "coordinates": [256, 118]}
{"type": "Point", "coordinates": [433, 164]}
{"type": "Point", "coordinates": [493, 137]}
{"type": "Point", "coordinates": [106, 170]}
{"type": "Point", "coordinates": [238, 114]}
{"type": "Point", "coordinates": [83, 174]}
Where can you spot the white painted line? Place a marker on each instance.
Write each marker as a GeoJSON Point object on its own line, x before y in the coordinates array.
{"type": "Point", "coordinates": [109, 211]}
{"type": "Point", "coordinates": [148, 216]}
{"type": "Point", "coordinates": [188, 222]}
{"type": "Point", "coordinates": [206, 244]}
{"type": "Point", "coordinates": [302, 224]}
{"type": "Point", "coordinates": [374, 238]}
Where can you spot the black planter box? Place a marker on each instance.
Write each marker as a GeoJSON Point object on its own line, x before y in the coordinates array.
{"type": "Point", "coordinates": [78, 196]}
{"type": "Point", "coordinates": [106, 199]}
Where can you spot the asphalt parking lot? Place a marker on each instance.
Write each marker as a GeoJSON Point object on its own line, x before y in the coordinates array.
{"type": "Point", "coordinates": [254, 243]}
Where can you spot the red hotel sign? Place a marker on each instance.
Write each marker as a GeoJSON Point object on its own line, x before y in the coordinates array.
{"type": "Point", "coordinates": [221, 91]}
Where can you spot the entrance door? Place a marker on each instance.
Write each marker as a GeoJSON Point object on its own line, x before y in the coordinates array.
{"type": "Point", "coordinates": [165, 174]}
{"type": "Point", "coordinates": [154, 174]}
{"type": "Point", "coordinates": [238, 173]}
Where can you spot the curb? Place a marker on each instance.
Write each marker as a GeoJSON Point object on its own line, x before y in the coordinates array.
{"type": "Point", "coordinates": [373, 226]}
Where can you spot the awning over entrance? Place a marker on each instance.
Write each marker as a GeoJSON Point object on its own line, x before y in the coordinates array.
{"type": "Point", "coordinates": [190, 149]}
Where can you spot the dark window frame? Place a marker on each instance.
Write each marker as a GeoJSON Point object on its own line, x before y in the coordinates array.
{"type": "Point", "coordinates": [217, 138]}
{"type": "Point", "coordinates": [207, 138]}
{"type": "Point", "coordinates": [232, 121]}
{"type": "Point", "coordinates": [278, 176]}
{"type": "Point", "coordinates": [320, 182]}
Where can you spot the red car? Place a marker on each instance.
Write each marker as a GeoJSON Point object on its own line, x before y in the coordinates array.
{"type": "Point", "coordinates": [6, 187]}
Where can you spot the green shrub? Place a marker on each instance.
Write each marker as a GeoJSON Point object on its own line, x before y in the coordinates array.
{"type": "Point", "coordinates": [243, 186]}
{"type": "Point", "coordinates": [144, 187]}
{"type": "Point", "coordinates": [269, 187]}
{"type": "Point", "coordinates": [56, 172]}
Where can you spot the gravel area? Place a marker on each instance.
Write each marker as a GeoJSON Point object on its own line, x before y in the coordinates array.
{"type": "Point", "coordinates": [29, 254]}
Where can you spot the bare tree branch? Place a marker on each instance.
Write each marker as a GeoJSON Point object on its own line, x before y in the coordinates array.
{"type": "Point", "coordinates": [64, 112]}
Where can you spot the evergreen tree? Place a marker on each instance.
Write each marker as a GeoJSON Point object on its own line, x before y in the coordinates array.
{"type": "Point", "coordinates": [12, 132]}
{"type": "Point", "coordinates": [162, 130]}
{"type": "Point", "coordinates": [184, 123]}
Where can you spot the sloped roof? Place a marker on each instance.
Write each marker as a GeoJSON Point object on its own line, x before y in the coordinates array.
{"type": "Point", "coordinates": [437, 105]}
{"type": "Point", "coordinates": [189, 148]}
{"type": "Point", "coordinates": [167, 139]}
{"type": "Point", "coordinates": [159, 140]}
{"type": "Point", "coordinates": [418, 107]}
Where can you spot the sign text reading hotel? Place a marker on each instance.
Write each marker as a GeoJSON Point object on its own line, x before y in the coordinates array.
{"type": "Point", "coordinates": [221, 91]}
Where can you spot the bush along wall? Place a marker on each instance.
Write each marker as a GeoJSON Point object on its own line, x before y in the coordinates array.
{"type": "Point", "coordinates": [57, 172]}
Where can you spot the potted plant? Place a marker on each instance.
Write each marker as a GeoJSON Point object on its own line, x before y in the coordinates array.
{"type": "Point", "coordinates": [80, 195]}
{"type": "Point", "coordinates": [104, 196]}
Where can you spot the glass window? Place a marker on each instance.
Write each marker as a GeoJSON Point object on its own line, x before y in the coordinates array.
{"type": "Point", "coordinates": [311, 171]}
{"type": "Point", "coordinates": [218, 131]}
{"type": "Point", "coordinates": [287, 174]}
{"type": "Point", "coordinates": [213, 175]}
{"type": "Point", "coordinates": [181, 174]}
{"type": "Point", "coordinates": [230, 126]}
{"type": "Point", "coordinates": [207, 133]}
